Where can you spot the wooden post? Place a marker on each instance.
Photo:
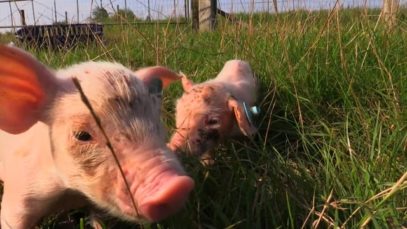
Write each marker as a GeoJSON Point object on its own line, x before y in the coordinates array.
{"type": "Point", "coordinates": [275, 6]}
{"type": "Point", "coordinates": [55, 11]}
{"type": "Point", "coordinates": [195, 14]}
{"type": "Point", "coordinates": [175, 9]}
{"type": "Point", "coordinates": [22, 18]}
{"type": "Point", "coordinates": [186, 5]}
{"type": "Point", "coordinates": [389, 11]}
{"type": "Point", "coordinates": [149, 11]}
{"type": "Point", "coordinates": [66, 17]}
{"type": "Point", "coordinates": [119, 17]}
{"type": "Point", "coordinates": [207, 15]}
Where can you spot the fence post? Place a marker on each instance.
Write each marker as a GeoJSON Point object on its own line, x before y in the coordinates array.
{"type": "Point", "coordinates": [11, 17]}
{"type": "Point", "coordinates": [389, 11]}
{"type": "Point", "coordinates": [32, 8]}
{"type": "Point", "coordinates": [207, 15]}
{"type": "Point", "coordinates": [77, 11]}
{"type": "Point", "coordinates": [175, 9]}
{"type": "Point", "coordinates": [186, 7]}
{"type": "Point", "coordinates": [275, 6]}
{"type": "Point", "coordinates": [55, 12]}
{"type": "Point", "coordinates": [22, 18]}
{"type": "Point", "coordinates": [195, 14]}
{"type": "Point", "coordinates": [149, 11]}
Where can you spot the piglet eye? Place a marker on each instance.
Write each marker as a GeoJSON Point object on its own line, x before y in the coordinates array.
{"type": "Point", "coordinates": [83, 136]}
{"type": "Point", "coordinates": [211, 121]}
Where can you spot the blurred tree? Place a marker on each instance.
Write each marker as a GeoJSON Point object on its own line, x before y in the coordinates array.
{"type": "Point", "coordinates": [124, 14]}
{"type": "Point", "coordinates": [99, 14]}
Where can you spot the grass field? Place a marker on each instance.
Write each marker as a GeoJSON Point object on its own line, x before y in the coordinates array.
{"type": "Point", "coordinates": [332, 144]}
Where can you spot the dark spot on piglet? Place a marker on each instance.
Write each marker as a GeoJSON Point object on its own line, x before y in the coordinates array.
{"type": "Point", "coordinates": [213, 135]}
{"type": "Point", "coordinates": [210, 134]}
{"type": "Point", "coordinates": [207, 100]}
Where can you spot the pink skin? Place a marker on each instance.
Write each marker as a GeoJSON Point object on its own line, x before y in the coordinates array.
{"type": "Point", "coordinates": [53, 156]}
{"type": "Point", "coordinates": [209, 112]}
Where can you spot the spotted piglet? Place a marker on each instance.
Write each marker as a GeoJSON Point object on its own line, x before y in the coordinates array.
{"type": "Point", "coordinates": [215, 110]}
{"type": "Point", "coordinates": [53, 155]}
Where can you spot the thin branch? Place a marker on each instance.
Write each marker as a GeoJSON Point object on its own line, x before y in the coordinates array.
{"type": "Point", "coordinates": [108, 143]}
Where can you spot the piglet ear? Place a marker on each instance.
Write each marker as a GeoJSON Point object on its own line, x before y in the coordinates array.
{"type": "Point", "coordinates": [26, 87]}
{"type": "Point", "coordinates": [155, 86]}
{"type": "Point", "coordinates": [186, 83]}
{"type": "Point", "coordinates": [244, 124]}
{"type": "Point", "coordinates": [157, 72]}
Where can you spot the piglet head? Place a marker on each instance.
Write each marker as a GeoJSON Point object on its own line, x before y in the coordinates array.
{"type": "Point", "coordinates": [128, 106]}
{"type": "Point", "coordinates": [205, 115]}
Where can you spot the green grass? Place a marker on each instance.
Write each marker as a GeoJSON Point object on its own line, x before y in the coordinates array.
{"type": "Point", "coordinates": [332, 144]}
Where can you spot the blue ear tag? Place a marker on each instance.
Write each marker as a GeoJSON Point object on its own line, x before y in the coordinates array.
{"type": "Point", "coordinates": [250, 112]}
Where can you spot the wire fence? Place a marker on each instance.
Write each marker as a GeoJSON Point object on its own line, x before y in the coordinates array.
{"type": "Point", "coordinates": [51, 11]}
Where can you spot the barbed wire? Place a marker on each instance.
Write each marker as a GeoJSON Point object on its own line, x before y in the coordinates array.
{"type": "Point", "coordinates": [169, 8]}
{"type": "Point", "coordinates": [15, 11]}
{"type": "Point", "coordinates": [49, 8]}
{"type": "Point", "coordinates": [8, 16]}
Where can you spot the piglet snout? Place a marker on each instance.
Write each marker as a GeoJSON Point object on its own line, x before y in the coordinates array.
{"type": "Point", "coordinates": [170, 197]}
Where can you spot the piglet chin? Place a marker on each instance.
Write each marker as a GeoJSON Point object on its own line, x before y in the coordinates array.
{"type": "Point", "coordinates": [167, 199]}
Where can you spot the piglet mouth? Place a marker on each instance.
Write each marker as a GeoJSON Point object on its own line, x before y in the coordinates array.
{"type": "Point", "coordinates": [179, 145]}
{"type": "Point", "coordinates": [168, 195]}
{"type": "Point", "coordinates": [176, 142]}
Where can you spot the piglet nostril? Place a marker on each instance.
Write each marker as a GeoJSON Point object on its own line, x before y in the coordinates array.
{"type": "Point", "coordinates": [168, 199]}
{"type": "Point", "coordinates": [198, 141]}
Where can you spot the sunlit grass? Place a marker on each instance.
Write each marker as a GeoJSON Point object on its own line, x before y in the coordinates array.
{"type": "Point", "coordinates": [332, 143]}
